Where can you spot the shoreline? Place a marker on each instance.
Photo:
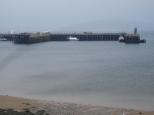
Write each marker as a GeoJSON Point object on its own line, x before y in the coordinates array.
{"type": "Point", "coordinates": [33, 107]}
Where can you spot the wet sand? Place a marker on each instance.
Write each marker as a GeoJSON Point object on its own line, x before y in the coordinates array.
{"type": "Point", "coordinates": [58, 108]}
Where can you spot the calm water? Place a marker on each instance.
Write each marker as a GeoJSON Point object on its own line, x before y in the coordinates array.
{"type": "Point", "coordinates": [98, 73]}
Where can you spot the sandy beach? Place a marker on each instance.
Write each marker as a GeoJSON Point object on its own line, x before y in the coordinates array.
{"type": "Point", "coordinates": [57, 108]}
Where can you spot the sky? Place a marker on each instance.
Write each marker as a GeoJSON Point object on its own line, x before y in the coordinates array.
{"type": "Point", "coordinates": [76, 15]}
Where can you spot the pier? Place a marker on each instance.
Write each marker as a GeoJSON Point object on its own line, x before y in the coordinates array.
{"type": "Point", "coordinates": [7, 37]}
{"type": "Point", "coordinates": [29, 38]}
{"type": "Point", "coordinates": [87, 36]}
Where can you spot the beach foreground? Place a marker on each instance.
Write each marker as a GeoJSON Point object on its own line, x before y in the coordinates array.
{"type": "Point", "coordinates": [20, 106]}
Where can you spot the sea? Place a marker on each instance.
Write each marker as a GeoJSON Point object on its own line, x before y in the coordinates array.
{"type": "Point", "coordinates": [106, 73]}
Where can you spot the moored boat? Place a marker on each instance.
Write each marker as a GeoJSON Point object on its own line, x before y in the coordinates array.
{"type": "Point", "coordinates": [132, 38]}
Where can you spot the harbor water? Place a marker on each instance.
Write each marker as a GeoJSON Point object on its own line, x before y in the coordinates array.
{"type": "Point", "coordinates": [105, 73]}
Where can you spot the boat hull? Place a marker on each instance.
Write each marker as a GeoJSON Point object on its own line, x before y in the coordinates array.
{"type": "Point", "coordinates": [132, 41]}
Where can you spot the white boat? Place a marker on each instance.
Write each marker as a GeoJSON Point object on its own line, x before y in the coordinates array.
{"type": "Point", "coordinates": [73, 39]}
{"type": "Point", "coordinates": [3, 39]}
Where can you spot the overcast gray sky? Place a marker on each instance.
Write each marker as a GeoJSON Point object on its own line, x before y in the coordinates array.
{"type": "Point", "coordinates": [76, 15]}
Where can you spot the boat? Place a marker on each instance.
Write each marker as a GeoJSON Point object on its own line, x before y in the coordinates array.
{"type": "Point", "coordinates": [3, 39]}
{"type": "Point", "coordinates": [73, 39]}
{"type": "Point", "coordinates": [132, 38]}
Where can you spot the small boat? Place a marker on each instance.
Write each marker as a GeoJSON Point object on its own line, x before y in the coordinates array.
{"type": "Point", "coordinates": [3, 39]}
{"type": "Point", "coordinates": [73, 39]}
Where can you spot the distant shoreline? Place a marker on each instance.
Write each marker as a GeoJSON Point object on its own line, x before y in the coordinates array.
{"type": "Point", "coordinates": [21, 106]}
